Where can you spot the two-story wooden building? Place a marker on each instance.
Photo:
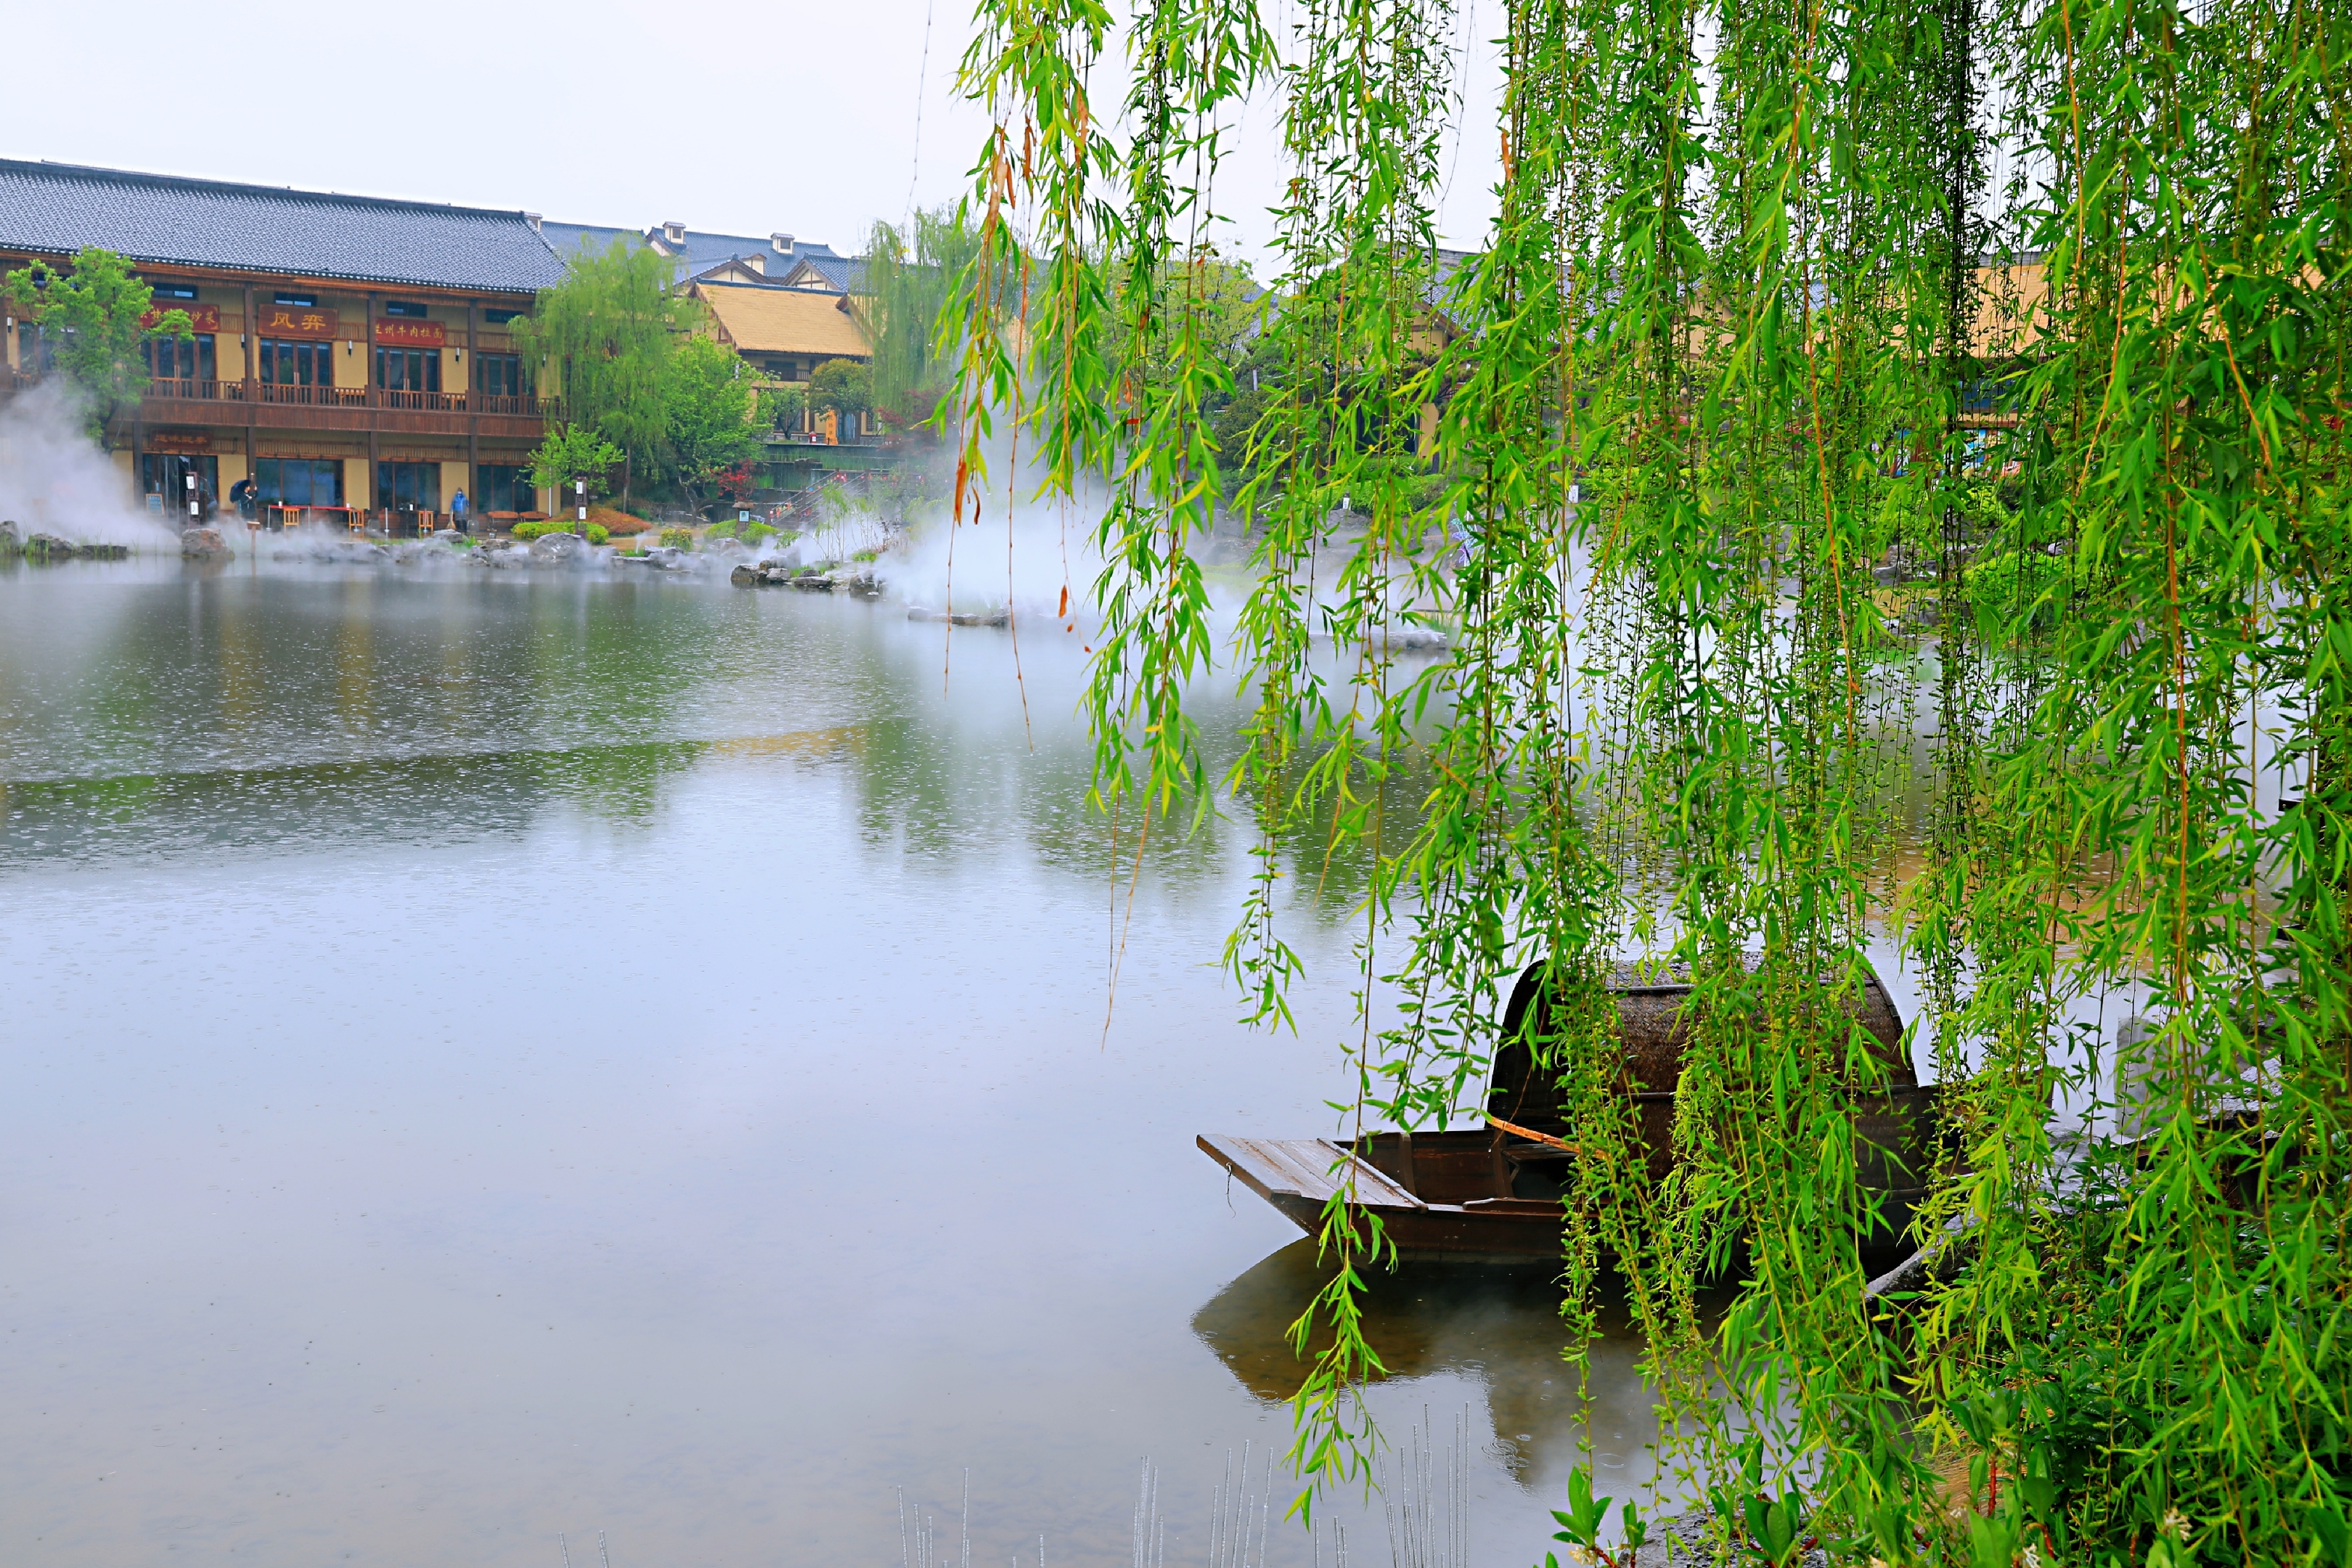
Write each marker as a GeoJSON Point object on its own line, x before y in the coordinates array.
{"type": "Point", "coordinates": [349, 351]}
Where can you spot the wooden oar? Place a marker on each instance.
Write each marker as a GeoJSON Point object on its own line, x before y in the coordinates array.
{"type": "Point", "coordinates": [1533, 1137]}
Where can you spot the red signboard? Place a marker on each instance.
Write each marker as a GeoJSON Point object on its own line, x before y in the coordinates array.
{"type": "Point", "coordinates": [296, 321]}
{"type": "Point", "coordinates": [181, 441]}
{"type": "Point", "coordinates": [412, 334]}
{"type": "Point", "coordinates": [201, 318]}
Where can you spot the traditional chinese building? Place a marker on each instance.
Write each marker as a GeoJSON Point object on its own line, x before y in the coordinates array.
{"type": "Point", "coordinates": [787, 333]}
{"type": "Point", "coordinates": [349, 351]}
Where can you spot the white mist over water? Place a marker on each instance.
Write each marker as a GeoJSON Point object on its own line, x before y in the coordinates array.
{"type": "Point", "coordinates": [987, 563]}
{"type": "Point", "coordinates": [54, 479]}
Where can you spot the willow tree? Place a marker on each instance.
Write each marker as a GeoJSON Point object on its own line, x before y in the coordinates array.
{"type": "Point", "coordinates": [609, 331]}
{"type": "Point", "coordinates": [2049, 298]}
{"type": "Point", "coordinates": [910, 276]}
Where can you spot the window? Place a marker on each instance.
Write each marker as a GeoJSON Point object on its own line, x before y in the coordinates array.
{"type": "Point", "coordinates": [298, 482]}
{"type": "Point", "coordinates": [308, 301]}
{"type": "Point", "coordinates": [36, 356]}
{"type": "Point", "coordinates": [505, 489]}
{"type": "Point", "coordinates": [174, 291]}
{"type": "Point", "coordinates": [409, 309]}
{"type": "Point", "coordinates": [408, 370]}
{"type": "Point", "coordinates": [408, 487]}
{"type": "Point", "coordinates": [181, 359]}
{"type": "Point", "coordinates": [492, 317]}
{"type": "Point", "coordinates": [500, 375]}
{"type": "Point", "coordinates": [285, 363]}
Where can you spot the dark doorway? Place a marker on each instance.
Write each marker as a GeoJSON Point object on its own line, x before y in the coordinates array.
{"type": "Point", "coordinates": [408, 487]}
{"type": "Point", "coordinates": [166, 474]}
{"type": "Point", "coordinates": [295, 481]}
{"type": "Point", "coordinates": [408, 370]}
{"type": "Point", "coordinates": [182, 359]}
{"type": "Point", "coordinates": [505, 489]}
{"type": "Point", "coordinates": [286, 363]}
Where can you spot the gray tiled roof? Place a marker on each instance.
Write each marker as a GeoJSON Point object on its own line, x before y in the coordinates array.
{"type": "Point", "coordinates": [566, 238]}
{"type": "Point", "coordinates": [838, 271]}
{"type": "Point", "coordinates": [700, 251]}
{"type": "Point", "coordinates": [703, 251]}
{"type": "Point", "coordinates": [57, 207]}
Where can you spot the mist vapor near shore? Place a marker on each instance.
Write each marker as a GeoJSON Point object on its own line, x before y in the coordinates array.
{"type": "Point", "coordinates": [55, 479]}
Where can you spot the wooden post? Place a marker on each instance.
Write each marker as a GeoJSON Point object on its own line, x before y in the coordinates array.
{"type": "Point", "coordinates": [367, 379]}
{"type": "Point", "coordinates": [252, 336]}
{"type": "Point", "coordinates": [473, 414]}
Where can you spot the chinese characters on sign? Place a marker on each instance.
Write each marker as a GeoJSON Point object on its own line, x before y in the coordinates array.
{"type": "Point", "coordinates": [296, 321]}
{"type": "Point", "coordinates": [412, 334]}
{"type": "Point", "coordinates": [201, 318]}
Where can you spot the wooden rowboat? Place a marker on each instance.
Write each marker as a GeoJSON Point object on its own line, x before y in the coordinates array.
{"type": "Point", "coordinates": [1492, 1193]}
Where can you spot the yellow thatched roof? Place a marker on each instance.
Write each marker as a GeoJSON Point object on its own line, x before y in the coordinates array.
{"type": "Point", "coordinates": [784, 321]}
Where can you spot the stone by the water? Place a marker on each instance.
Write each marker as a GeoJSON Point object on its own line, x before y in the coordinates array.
{"type": "Point", "coordinates": [203, 544]}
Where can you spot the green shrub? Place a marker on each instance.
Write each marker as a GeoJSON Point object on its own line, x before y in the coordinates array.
{"type": "Point", "coordinates": [678, 538]}
{"type": "Point", "coordinates": [866, 555]}
{"type": "Point", "coordinates": [2013, 589]}
{"type": "Point", "coordinates": [758, 531]}
{"type": "Point", "coordinates": [594, 532]}
{"type": "Point", "coordinates": [719, 530]}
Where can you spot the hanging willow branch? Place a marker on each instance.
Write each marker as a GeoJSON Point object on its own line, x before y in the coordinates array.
{"type": "Point", "coordinates": [1884, 479]}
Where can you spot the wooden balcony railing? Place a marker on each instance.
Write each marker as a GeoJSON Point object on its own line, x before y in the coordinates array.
{"type": "Point", "coordinates": [354, 398]}
{"type": "Point", "coordinates": [307, 396]}
{"type": "Point", "coordinates": [167, 386]}
{"type": "Point", "coordinates": [432, 402]}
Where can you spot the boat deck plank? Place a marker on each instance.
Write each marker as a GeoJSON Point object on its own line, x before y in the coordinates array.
{"type": "Point", "coordinates": [1308, 1168]}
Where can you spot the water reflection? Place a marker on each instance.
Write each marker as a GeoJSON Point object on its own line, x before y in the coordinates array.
{"type": "Point", "coordinates": [1496, 1329]}
{"type": "Point", "coordinates": [491, 1057]}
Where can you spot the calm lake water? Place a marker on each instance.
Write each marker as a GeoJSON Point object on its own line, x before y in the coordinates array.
{"type": "Point", "coordinates": [490, 1056]}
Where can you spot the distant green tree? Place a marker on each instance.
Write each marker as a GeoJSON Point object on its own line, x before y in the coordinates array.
{"type": "Point", "coordinates": [1217, 299]}
{"type": "Point", "coordinates": [611, 329]}
{"type": "Point", "coordinates": [785, 405]}
{"type": "Point", "coordinates": [844, 386]}
{"type": "Point", "coordinates": [94, 320]}
{"type": "Point", "coordinates": [714, 403]}
{"type": "Point", "coordinates": [571, 452]}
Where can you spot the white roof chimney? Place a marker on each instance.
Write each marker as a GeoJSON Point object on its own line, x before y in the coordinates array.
{"type": "Point", "coordinates": [782, 243]}
{"type": "Point", "coordinates": [675, 233]}
{"type": "Point", "coordinates": [534, 219]}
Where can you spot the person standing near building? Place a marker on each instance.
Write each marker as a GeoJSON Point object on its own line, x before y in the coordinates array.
{"type": "Point", "coordinates": [240, 496]}
{"type": "Point", "coordinates": [457, 511]}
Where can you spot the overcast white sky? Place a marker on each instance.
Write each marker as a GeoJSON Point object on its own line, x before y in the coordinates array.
{"type": "Point", "coordinates": [799, 117]}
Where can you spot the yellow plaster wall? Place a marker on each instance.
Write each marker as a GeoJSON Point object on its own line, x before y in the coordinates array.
{"type": "Point", "coordinates": [455, 478]}
{"type": "Point", "coordinates": [354, 361]}
{"type": "Point", "coordinates": [358, 483]}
